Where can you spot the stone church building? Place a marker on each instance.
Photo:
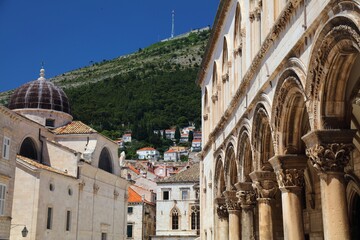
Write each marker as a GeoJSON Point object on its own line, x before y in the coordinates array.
{"type": "Point", "coordinates": [281, 117]}
{"type": "Point", "coordinates": [59, 178]}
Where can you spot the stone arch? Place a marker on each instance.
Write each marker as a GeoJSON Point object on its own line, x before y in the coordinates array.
{"type": "Point", "coordinates": [28, 149]}
{"type": "Point", "coordinates": [219, 178]}
{"type": "Point", "coordinates": [231, 167]}
{"type": "Point", "coordinates": [335, 50]}
{"type": "Point", "coordinates": [290, 119]}
{"type": "Point", "coordinates": [216, 94]}
{"type": "Point", "coordinates": [245, 153]}
{"type": "Point", "coordinates": [175, 216]}
{"type": "Point", "coordinates": [262, 138]}
{"type": "Point", "coordinates": [105, 160]}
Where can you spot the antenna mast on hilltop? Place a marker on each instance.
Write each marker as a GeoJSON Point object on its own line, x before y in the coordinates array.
{"type": "Point", "coordinates": [173, 24]}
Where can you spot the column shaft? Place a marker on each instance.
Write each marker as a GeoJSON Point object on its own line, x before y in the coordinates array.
{"type": "Point", "coordinates": [292, 216]}
{"type": "Point", "coordinates": [333, 201]}
{"type": "Point", "coordinates": [223, 229]}
{"type": "Point", "coordinates": [247, 223]}
{"type": "Point", "coordinates": [265, 219]}
{"type": "Point", "coordinates": [234, 225]}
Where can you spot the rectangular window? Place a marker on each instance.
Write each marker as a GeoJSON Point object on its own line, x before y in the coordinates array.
{"type": "Point", "coordinates": [2, 199]}
{"type": "Point", "coordinates": [184, 194]}
{"type": "Point", "coordinates": [50, 122]}
{"type": "Point", "coordinates": [49, 218]}
{"type": "Point", "coordinates": [166, 195]}
{"type": "Point", "coordinates": [130, 231]}
{"type": "Point", "coordinates": [130, 209]}
{"type": "Point", "coordinates": [6, 148]}
{"type": "Point", "coordinates": [68, 220]}
{"type": "Point", "coordinates": [103, 236]}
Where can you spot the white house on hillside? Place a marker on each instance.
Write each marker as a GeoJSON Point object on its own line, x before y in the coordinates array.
{"type": "Point", "coordinates": [148, 153]}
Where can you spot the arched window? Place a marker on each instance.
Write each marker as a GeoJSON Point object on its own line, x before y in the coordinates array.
{"type": "Point", "coordinates": [175, 219]}
{"type": "Point", "coordinates": [195, 217]}
{"type": "Point", "coordinates": [225, 62]}
{"type": "Point", "coordinates": [28, 149]}
{"type": "Point", "coordinates": [105, 162]}
{"type": "Point", "coordinates": [237, 30]}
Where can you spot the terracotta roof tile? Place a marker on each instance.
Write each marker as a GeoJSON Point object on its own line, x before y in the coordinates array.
{"type": "Point", "coordinates": [188, 175]}
{"type": "Point", "coordinates": [134, 197]}
{"type": "Point", "coordinates": [75, 127]}
{"type": "Point", "coordinates": [146, 149]}
{"type": "Point", "coordinates": [132, 168]}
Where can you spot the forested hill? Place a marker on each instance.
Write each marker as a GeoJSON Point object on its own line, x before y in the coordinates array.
{"type": "Point", "coordinates": [153, 88]}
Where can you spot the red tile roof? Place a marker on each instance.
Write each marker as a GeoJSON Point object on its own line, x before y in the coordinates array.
{"type": "Point", "coordinates": [171, 151]}
{"type": "Point", "coordinates": [146, 149]}
{"type": "Point", "coordinates": [75, 127]}
{"type": "Point", "coordinates": [134, 197]}
{"type": "Point", "coordinates": [132, 168]}
{"type": "Point", "coordinates": [197, 140]}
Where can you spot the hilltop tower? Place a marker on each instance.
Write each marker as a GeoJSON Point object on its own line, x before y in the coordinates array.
{"type": "Point", "coordinates": [172, 24]}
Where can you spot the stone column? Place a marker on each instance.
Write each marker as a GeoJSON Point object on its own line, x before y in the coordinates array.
{"type": "Point", "coordinates": [233, 207]}
{"type": "Point", "coordinates": [247, 199]}
{"type": "Point", "coordinates": [329, 152]}
{"type": "Point", "coordinates": [289, 171]}
{"type": "Point", "coordinates": [222, 230]}
{"type": "Point", "coordinates": [264, 183]}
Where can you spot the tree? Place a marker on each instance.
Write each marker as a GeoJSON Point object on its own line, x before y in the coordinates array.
{"type": "Point", "coordinates": [177, 134]}
{"type": "Point", "coordinates": [164, 134]}
{"type": "Point", "coordinates": [191, 136]}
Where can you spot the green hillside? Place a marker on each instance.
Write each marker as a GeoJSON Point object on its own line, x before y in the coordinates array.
{"type": "Point", "coordinates": [153, 88]}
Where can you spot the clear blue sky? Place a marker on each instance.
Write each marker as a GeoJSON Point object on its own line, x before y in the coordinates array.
{"type": "Point", "coordinates": [68, 34]}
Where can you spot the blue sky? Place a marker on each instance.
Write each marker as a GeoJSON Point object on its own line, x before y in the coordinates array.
{"type": "Point", "coordinates": [68, 34]}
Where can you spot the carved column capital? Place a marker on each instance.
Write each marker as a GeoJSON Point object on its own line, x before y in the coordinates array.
{"type": "Point", "coordinates": [329, 150]}
{"type": "Point", "coordinates": [221, 208]}
{"type": "Point", "coordinates": [289, 171]}
{"type": "Point", "coordinates": [232, 201]}
{"type": "Point", "coordinates": [246, 195]}
{"type": "Point", "coordinates": [330, 157]}
{"type": "Point", "coordinates": [264, 184]}
{"type": "Point", "coordinates": [214, 97]}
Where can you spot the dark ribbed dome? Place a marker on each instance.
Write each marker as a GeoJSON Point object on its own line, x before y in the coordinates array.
{"type": "Point", "coordinates": [40, 94]}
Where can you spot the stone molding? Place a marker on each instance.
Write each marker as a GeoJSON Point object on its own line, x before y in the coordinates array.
{"type": "Point", "coordinates": [96, 188]}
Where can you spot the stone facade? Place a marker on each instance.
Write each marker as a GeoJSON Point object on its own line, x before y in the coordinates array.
{"type": "Point", "coordinates": [177, 197]}
{"type": "Point", "coordinates": [280, 109]}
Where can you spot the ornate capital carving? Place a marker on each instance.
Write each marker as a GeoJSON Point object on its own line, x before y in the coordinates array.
{"type": "Point", "coordinates": [247, 199]}
{"type": "Point", "coordinates": [289, 178]}
{"type": "Point", "coordinates": [264, 183]}
{"type": "Point", "coordinates": [289, 170]}
{"type": "Point", "coordinates": [205, 117]}
{"type": "Point", "coordinates": [257, 13]}
{"type": "Point", "coordinates": [329, 150]}
{"type": "Point", "coordinates": [252, 16]}
{"type": "Point", "coordinates": [232, 201]}
{"type": "Point", "coordinates": [221, 208]}
{"type": "Point", "coordinates": [82, 184]}
{"type": "Point", "coordinates": [330, 157]}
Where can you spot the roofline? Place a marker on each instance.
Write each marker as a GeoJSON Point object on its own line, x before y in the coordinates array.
{"type": "Point", "coordinates": [215, 34]}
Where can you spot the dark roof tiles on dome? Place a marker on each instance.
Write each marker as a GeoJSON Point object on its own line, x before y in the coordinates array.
{"type": "Point", "coordinates": [40, 94]}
